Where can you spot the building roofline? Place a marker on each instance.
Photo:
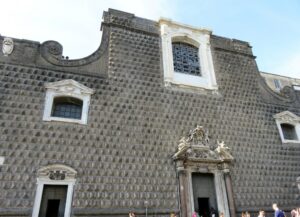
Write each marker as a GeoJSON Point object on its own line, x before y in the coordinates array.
{"type": "Point", "coordinates": [283, 76]}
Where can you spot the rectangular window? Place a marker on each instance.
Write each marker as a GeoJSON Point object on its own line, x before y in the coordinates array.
{"type": "Point", "coordinates": [277, 84]}
{"type": "Point", "coordinates": [289, 132]}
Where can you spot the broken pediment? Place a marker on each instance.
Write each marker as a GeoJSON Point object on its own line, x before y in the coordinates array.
{"type": "Point", "coordinates": [195, 147]}
{"type": "Point", "coordinates": [69, 86]}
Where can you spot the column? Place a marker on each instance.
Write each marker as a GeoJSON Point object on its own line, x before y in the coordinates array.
{"type": "Point", "coordinates": [231, 203]}
{"type": "Point", "coordinates": [221, 193]}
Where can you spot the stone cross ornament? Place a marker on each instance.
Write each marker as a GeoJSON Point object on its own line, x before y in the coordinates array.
{"type": "Point", "coordinates": [7, 46]}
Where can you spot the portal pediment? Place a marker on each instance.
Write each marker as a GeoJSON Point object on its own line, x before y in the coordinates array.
{"type": "Point", "coordinates": [196, 147]}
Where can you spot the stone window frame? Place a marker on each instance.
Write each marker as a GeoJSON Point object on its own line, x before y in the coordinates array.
{"type": "Point", "coordinates": [67, 88]}
{"type": "Point", "coordinates": [288, 117]}
{"type": "Point", "coordinates": [44, 178]}
{"type": "Point", "coordinates": [175, 32]}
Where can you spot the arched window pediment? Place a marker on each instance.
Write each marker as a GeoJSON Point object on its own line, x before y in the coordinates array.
{"type": "Point", "coordinates": [57, 172]}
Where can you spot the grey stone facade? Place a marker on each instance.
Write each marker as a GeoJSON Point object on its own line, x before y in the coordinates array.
{"type": "Point", "coordinates": [123, 156]}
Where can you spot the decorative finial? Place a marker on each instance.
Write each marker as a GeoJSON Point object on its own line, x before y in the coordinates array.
{"type": "Point", "coordinates": [7, 46]}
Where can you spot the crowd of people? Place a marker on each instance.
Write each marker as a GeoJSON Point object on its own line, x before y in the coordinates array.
{"type": "Point", "coordinates": [277, 213]}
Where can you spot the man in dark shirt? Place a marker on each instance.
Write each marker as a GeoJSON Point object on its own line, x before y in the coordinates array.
{"type": "Point", "coordinates": [278, 212]}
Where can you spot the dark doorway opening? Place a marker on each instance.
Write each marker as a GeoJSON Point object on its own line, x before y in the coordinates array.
{"type": "Point", "coordinates": [203, 206]}
{"type": "Point", "coordinates": [52, 208]}
{"type": "Point", "coordinates": [53, 201]}
{"type": "Point", "coordinates": [205, 201]}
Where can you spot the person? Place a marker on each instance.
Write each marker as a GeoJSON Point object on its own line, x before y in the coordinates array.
{"type": "Point", "coordinates": [221, 214]}
{"type": "Point", "coordinates": [194, 214]}
{"type": "Point", "coordinates": [294, 212]}
{"type": "Point", "coordinates": [261, 213]}
{"type": "Point", "coordinates": [277, 211]}
{"type": "Point", "coordinates": [247, 214]}
{"type": "Point", "coordinates": [173, 214]}
{"type": "Point", "coordinates": [131, 214]}
{"type": "Point", "coordinates": [243, 214]}
{"type": "Point", "coordinates": [213, 212]}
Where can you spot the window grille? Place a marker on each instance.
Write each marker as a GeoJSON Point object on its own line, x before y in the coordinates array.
{"type": "Point", "coordinates": [67, 107]}
{"type": "Point", "coordinates": [186, 59]}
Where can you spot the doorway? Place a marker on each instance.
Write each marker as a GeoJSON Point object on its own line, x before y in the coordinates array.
{"type": "Point", "coordinates": [203, 207]}
{"type": "Point", "coordinates": [205, 202]}
{"type": "Point", "coordinates": [53, 201]}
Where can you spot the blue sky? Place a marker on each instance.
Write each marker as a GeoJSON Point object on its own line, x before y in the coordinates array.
{"type": "Point", "coordinates": [272, 27]}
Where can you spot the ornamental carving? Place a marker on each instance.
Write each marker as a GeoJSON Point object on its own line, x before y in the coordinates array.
{"type": "Point", "coordinates": [288, 92]}
{"type": "Point", "coordinates": [69, 86]}
{"type": "Point", "coordinates": [198, 136]}
{"type": "Point", "coordinates": [7, 46]}
{"type": "Point", "coordinates": [196, 147]}
{"type": "Point", "coordinates": [57, 172]}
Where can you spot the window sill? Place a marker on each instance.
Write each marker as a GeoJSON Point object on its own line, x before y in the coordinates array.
{"type": "Point", "coordinates": [66, 120]}
{"type": "Point", "coordinates": [190, 82]}
{"type": "Point", "coordinates": [291, 143]}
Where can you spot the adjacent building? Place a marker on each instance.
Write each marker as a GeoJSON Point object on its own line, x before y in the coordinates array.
{"type": "Point", "coordinates": [163, 117]}
{"type": "Point", "coordinates": [278, 82]}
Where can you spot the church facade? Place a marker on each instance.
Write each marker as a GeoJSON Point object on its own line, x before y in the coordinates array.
{"type": "Point", "coordinates": [162, 118]}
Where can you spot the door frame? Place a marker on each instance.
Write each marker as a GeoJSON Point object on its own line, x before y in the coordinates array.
{"type": "Point", "coordinates": [56, 174]}
{"type": "Point", "coordinates": [39, 194]}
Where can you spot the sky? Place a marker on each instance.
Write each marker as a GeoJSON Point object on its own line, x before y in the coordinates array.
{"type": "Point", "coordinates": [272, 27]}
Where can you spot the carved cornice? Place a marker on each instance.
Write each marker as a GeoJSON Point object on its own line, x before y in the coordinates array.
{"type": "Point", "coordinates": [175, 24]}
{"type": "Point", "coordinates": [129, 21]}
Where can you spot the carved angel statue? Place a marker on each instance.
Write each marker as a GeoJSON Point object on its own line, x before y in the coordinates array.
{"type": "Point", "coordinates": [222, 147]}
{"type": "Point", "coordinates": [223, 151]}
{"type": "Point", "coordinates": [182, 143]}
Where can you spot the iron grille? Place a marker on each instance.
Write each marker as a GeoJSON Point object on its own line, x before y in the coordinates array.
{"type": "Point", "coordinates": [186, 59]}
{"type": "Point", "coordinates": [67, 108]}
